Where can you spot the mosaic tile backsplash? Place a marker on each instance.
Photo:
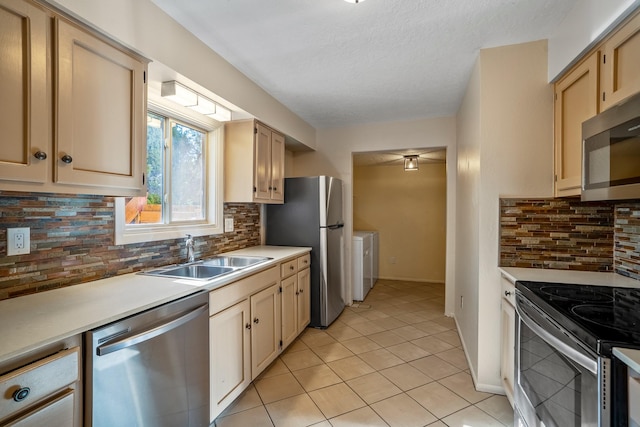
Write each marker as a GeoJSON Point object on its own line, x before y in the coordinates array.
{"type": "Point", "coordinates": [627, 240]}
{"type": "Point", "coordinates": [72, 241]}
{"type": "Point", "coordinates": [556, 233]}
{"type": "Point", "coordinates": [572, 235]}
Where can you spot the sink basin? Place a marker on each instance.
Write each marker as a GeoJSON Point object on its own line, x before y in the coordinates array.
{"type": "Point", "coordinates": [194, 271]}
{"type": "Point", "coordinates": [234, 260]}
{"type": "Point", "coordinates": [208, 269]}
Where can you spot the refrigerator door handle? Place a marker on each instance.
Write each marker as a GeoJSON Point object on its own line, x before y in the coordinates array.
{"type": "Point", "coordinates": [335, 226]}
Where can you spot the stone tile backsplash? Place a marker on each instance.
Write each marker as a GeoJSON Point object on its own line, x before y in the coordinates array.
{"type": "Point", "coordinates": [627, 240]}
{"type": "Point", "coordinates": [570, 234]}
{"type": "Point", "coordinates": [556, 233]}
{"type": "Point", "coordinates": [72, 241]}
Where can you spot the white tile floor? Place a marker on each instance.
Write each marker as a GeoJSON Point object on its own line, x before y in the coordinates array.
{"type": "Point", "coordinates": [394, 360]}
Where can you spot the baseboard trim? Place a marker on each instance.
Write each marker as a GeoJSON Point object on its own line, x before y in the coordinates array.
{"type": "Point", "coordinates": [487, 388]}
{"type": "Point", "coordinates": [411, 279]}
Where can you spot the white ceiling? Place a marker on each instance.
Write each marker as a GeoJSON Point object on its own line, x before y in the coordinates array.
{"type": "Point", "coordinates": [337, 64]}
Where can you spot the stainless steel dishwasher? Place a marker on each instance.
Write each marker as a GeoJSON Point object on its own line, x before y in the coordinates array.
{"type": "Point", "coordinates": [151, 369]}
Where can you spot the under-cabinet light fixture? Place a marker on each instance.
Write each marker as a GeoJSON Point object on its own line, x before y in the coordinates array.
{"type": "Point", "coordinates": [179, 94]}
{"type": "Point", "coordinates": [186, 97]}
{"type": "Point", "coordinates": [410, 163]}
{"type": "Point", "coordinates": [354, 1]}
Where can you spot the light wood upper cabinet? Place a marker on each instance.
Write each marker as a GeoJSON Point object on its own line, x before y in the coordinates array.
{"type": "Point", "coordinates": [254, 163]}
{"type": "Point", "coordinates": [101, 109]}
{"type": "Point", "coordinates": [607, 76]}
{"type": "Point", "coordinates": [620, 65]}
{"type": "Point", "coordinates": [576, 100]}
{"type": "Point", "coordinates": [73, 107]}
{"type": "Point", "coordinates": [23, 85]}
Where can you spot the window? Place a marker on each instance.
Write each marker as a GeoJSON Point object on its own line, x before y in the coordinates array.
{"type": "Point", "coordinates": [184, 195]}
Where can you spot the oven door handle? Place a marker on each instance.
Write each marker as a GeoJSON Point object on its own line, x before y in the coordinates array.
{"type": "Point", "coordinates": [573, 354]}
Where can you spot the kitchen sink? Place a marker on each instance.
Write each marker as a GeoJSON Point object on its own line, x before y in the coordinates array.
{"type": "Point", "coordinates": [234, 260]}
{"type": "Point", "coordinates": [208, 269]}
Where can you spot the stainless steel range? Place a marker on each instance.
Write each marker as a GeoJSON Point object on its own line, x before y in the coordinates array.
{"type": "Point", "coordinates": [566, 374]}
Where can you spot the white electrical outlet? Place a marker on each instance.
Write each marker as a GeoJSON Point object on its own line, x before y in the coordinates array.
{"type": "Point", "coordinates": [18, 241]}
{"type": "Point", "coordinates": [228, 224]}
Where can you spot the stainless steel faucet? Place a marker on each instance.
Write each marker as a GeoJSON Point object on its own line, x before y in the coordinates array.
{"type": "Point", "coordinates": [189, 245]}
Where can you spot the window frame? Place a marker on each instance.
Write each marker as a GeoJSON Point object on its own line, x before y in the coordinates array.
{"type": "Point", "coordinates": [214, 219]}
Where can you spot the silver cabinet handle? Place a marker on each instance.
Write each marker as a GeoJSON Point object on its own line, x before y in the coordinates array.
{"type": "Point", "coordinates": [40, 155]}
{"type": "Point", "coordinates": [507, 293]}
{"type": "Point", "coordinates": [256, 320]}
{"type": "Point", "coordinates": [66, 159]}
{"type": "Point", "coordinates": [150, 333]}
{"type": "Point", "coordinates": [248, 326]}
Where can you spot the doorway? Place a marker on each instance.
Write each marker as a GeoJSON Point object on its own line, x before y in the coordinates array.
{"type": "Point", "coordinates": [408, 209]}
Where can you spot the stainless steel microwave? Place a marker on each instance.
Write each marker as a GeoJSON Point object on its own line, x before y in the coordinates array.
{"type": "Point", "coordinates": [611, 153]}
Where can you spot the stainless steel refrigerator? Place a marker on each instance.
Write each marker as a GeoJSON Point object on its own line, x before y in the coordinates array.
{"type": "Point", "coordinates": [312, 216]}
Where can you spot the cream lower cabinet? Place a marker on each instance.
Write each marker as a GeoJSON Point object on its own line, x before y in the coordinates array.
{"type": "Point", "coordinates": [246, 326]}
{"type": "Point", "coordinates": [265, 328]}
{"type": "Point", "coordinates": [44, 390]}
{"type": "Point", "coordinates": [230, 341]}
{"type": "Point", "coordinates": [508, 325]}
{"type": "Point", "coordinates": [296, 302]}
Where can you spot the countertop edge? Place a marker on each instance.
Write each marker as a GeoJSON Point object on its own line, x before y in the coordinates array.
{"type": "Point", "coordinates": [27, 320]}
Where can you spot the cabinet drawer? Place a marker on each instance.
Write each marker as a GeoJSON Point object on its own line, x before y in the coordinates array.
{"type": "Point", "coordinates": [55, 413]}
{"type": "Point", "coordinates": [288, 268]}
{"type": "Point", "coordinates": [226, 296]}
{"type": "Point", "coordinates": [42, 378]}
{"type": "Point", "coordinates": [508, 291]}
{"type": "Point", "coordinates": [304, 261]}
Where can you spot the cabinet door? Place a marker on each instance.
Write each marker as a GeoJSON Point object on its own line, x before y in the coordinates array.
{"type": "Point", "coordinates": [57, 413]}
{"type": "Point", "coordinates": [265, 328]}
{"type": "Point", "coordinates": [576, 101]}
{"type": "Point", "coordinates": [621, 64]}
{"type": "Point", "coordinates": [277, 167]}
{"type": "Point", "coordinates": [101, 113]}
{"type": "Point", "coordinates": [508, 348]}
{"type": "Point", "coordinates": [304, 299]}
{"type": "Point", "coordinates": [262, 164]}
{"type": "Point", "coordinates": [229, 347]}
{"type": "Point", "coordinates": [23, 83]}
{"type": "Point", "coordinates": [289, 309]}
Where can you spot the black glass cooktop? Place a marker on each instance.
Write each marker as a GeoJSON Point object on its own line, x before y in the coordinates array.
{"type": "Point", "coordinates": [602, 317]}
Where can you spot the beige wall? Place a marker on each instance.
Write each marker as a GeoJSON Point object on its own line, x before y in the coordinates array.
{"type": "Point", "coordinates": [408, 209]}
{"type": "Point", "coordinates": [334, 157]}
{"type": "Point", "coordinates": [505, 143]}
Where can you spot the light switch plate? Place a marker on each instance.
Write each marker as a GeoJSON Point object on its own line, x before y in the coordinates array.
{"type": "Point", "coordinates": [18, 241]}
{"type": "Point", "coordinates": [228, 225]}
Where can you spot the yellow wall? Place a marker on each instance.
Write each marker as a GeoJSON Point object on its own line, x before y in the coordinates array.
{"type": "Point", "coordinates": [408, 209]}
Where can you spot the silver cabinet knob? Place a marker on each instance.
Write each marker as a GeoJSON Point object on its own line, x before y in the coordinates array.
{"type": "Point", "coordinates": [40, 155]}
{"type": "Point", "coordinates": [507, 293]}
{"type": "Point", "coordinates": [66, 159]}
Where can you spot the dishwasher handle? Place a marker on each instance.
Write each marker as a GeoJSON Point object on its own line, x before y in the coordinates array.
{"type": "Point", "coordinates": [151, 333]}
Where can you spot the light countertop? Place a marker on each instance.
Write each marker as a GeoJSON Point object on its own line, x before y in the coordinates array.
{"type": "Point", "coordinates": [32, 321]}
{"type": "Point", "coordinates": [514, 274]}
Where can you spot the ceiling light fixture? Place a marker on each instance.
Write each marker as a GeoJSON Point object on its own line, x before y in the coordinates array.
{"type": "Point", "coordinates": [410, 163]}
{"type": "Point", "coordinates": [186, 97]}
